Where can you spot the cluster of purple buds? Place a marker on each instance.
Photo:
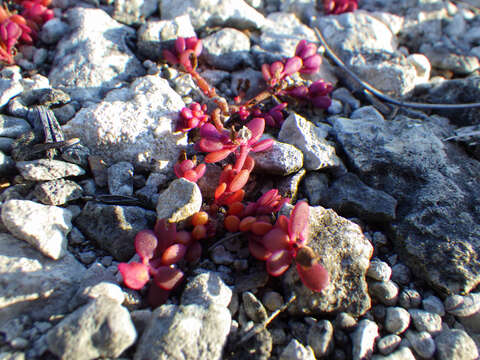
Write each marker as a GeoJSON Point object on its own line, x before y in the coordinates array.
{"type": "Point", "coordinates": [274, 117]}
{"type": "Point", "coordinates": [311, 61]}
{"type": "Point", "coordinates": [336, 7]}
{"type": "Point", "coordinates": [192, 117]}
{"type": "Point", "coordinates": [316, 93]}
{"type": "Point", "coordinates": [186, 50]}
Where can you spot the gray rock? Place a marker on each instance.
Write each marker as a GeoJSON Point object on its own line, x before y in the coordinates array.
{"type": "Point", "coordinates": [409, 298]}
{"type": "Point", "coordinates": [320, 338]}
{"type": "Point", "coordinates": [346, 97]}
{"type": "Point", "coordinates": [272, 300]}
{"type": "Point", "coordinates": [280, 159]}
{"type": "Point", "coordinates": [369, 48]}
{"type": "Point", "coordinates": [13, 127]}
{"type": "Point", "coordinates": [397, 320]}
{"type": "Point", "coordinates": [363, 339]}
{"type": "Point", "coordinates": [7, 165]}
{"type": "Point", "coordinates": [401, 274]}
{"type": "Point", "coordinates": [179, 201]}
{"type": "Point", "coordinates": [143, 134]}
{"type": "Point", "coordinates": [101, 289]}
{"type": "Point", "coordinates": [303, 9]}
{"type": "Point", "coordinates": [296, 351]}
{"type": "Point", "coordinates": [289, 185]}
{"type": "Point", "coordinates": [463, 306]}
{"type": "Point", "coordinates": [94, 58]}
{"type": "Point", "coordinates": [45, 169]}
{"type": "Point", "coordinates": [444, 59]}
{"type": "Point", "coordinates": [379, 270]}
{"type": "Point", "coordinates": [227, 49]}
{"type": "Point", "coordinates": [133, 12]}
{"type": "Point", "coordinates": [426, 177]}
{"type": "Point", "coordinates": [404, 353]}
{"type": "Point", "coordinates": [32, 284]}
{"type": "Point", "coordinates": [10, 84]}
{"type": "Point", "coordinates": [257, 83]}
{"type": "Point", "coordinates": [455, 344]}
{"type": "Point", "coordinates": [282, 32]}
{"type": "Point", "coordinates": [6, 145]}
{"type": "Point", "coordinates": [156, 35]}
{"type": "Point", "coordinates": [253, 307]}
{"type": "Point", "coordinates": [58, 192]}
{"type": "Point", "coordinates": [345, 253]}
{"type": "Point", "coordinates": [350, 197]}
{"type": "Point", "coordinates": [113, 227]}
{"type": "Point", "coordinates": [345, 321]}
{"type": "Point", "coordinates": [422, 343]}
{"type": "Point", "coordinates": [53, 30]}
{"type": "Point", "coordinates": [221, 256]}
{"type": "Point", "coordinates": [101, 328]}
{"type": "Point", "coordinates": [185, 332]}
{"type": "Point", "coordinates": [77, 154]}
{"type": "Point", "coordinates": [315, 187]}
{"type": "Point", "coordinates": [434, 305]}
{"type": "Point", "coordinates": [44, 227]}
{"type": "Point", "coordinates": [208, 13]}
{"type": "Point", "coordinates": [426, 321]}
{"type": "Point", "coordinates": [206, 289]}
{"type": "Point", "coordinates": [384, 291]}
{"type": "Point", "coordinates": [422, 67]}
{"type": "Point", "coordinates": [120, 178]}
{"type": "Point", "coordinates": [317, 152]}
{"type": "Point", "coordinates": [388, 344]}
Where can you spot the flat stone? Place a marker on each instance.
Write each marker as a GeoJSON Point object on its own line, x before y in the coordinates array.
{"type": "Point", "coordinates": [94, 58]}
{"type": "Point", "coordinates": [101, 328]}
{"type": "Point", "coordinates": [426, 321]}
{"type": "Point", "coordinates": [32, 284]}
{"type": "Point", "coordinates": [388, 344]}
{"type": "Point", "coordinates": [317, 152]}
{"type": "Point", "coordinates": [281, 159]}
{"type": "Point", "coordinates": [13, 127]}
{"type": "Point", "coordinates": [384, 291]}
{"type": "Point", "coordinates": [253, 307]}
{"type": "Point", "coordinates": [463, 306]}
{"type": "Point", "coordinates": [143, 135]}
{"type": "Point", "coordinates": [58, 192]}
{"type": "Point", "coordinates": [44, 227]}
{"type": "Point", "coordinates": [45, 169]}
{"type": "Point", "coordinates": [422, 343]}
{"type": "Point", "coordinates": [179, 201]}
{"type": "Point", "coordinates": [114, 227]}
{"type": "Point", "coordinates": [434, 305]}
{"type": "Point", "coordinates": [205, 289]}
{"type": "Point", "coordinates": [345, 253]}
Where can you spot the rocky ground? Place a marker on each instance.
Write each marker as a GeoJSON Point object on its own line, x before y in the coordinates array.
{"type": "Point", "coordinates": [394, 195]}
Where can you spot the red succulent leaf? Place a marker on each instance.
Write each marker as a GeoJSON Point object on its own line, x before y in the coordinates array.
{"type": "Point", "coordinates": [217, 156]}
{"type": "Point", "coordinates": [194, 252]}
{"type": "Point", "coordinates": [239, 181]}
{"type": "Point", "coordinates": [167, 278]}
{"type": "Point", "coordinates": [166, 234]}
{"type": "Point", "coordinates": [173, 254]}
{"type": "Point", "coordinates": [135, 275]}
{"type": "Point", "coordinates": [257, 127]}
{"type": "Point", "coordinates": [315, 277]}
{"type": "Point", "coordinates": [276, 239]}
{"type": "Point", "coordinates": [145, 244]}
{"type": "Point", "coordinates": [257, 250]}
{"type": "Point", "coordinates": [279, 262]}
{"type": "Point", "coordinates": [261, 227]}
{"type": "Point", "coordinates": [263, 145]}
{"type": "Point", "coordinates": [298, 222]}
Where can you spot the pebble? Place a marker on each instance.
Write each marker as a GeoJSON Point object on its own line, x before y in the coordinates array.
{"type": "Point", "coordinates": [409, 298]}
{"type": "Point", "coordinates": [45, 169]}
{"type": "Point", "coordinates": [120, 179]}
{"type": "Point", "coordinates": [401, 274]}
{"type": "Point", "coordinates": [58, 192]}
{"type": "Point", "coordinates": [434, 305]}
{"type": "Point", "coordinates": [87, 257]}
{"type": "Point", "coordinates": [279, 336]}
{"type": "Point", "coordinates": [397, 320]}
{"type": "Point", "coordinates": [320, 338]}
{"type": "Point", "coordinates": [179, 201]}
{"type": "Point", "coordinates": [379, 270]}
{"type": "Point", "coordinates": [363, 339]}
{"type": "Point", "coordinates": [384, 291]}
{"type": "Point", "coordinates": [422, 343]}
{"type": "Point", "coordinates": [455, 345]}
{"type": "Point", "coordinates": [426, 321]}
{"type": "Point", "coordinates": [272, 300]}
{"type": "Point", "coordinates": [404, 353]}
{"type": "Point", "coordinates": [345, 321]}
{"type": "Point", "coordinates": [19, 343]}
{"type": "Point", "coordinates": [221, 256]}
{"type": "Point", "coordinates": [254, 307]}
{"type": "Point", "coordinates": [13, 127]}
{"type": "Point", "coordinates": [296, 351]}
{"type": "Point", "coordinates": [463, 306]}
{"type": "Point", "coordinates": [388, 344]}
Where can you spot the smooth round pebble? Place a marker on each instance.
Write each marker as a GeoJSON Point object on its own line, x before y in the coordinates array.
{"type": "Point", "coordinates": [397, 320]}
{"type": "Point", "coordinates": [379, 270]}
{"type": "Point", "coordinates": [272, 300]}
{"type": "Point", "coordinates": [426, 321]}
{"type": "Point", "coordinates": [434, 305]}
{"type": "Point", "coordinates": [385, 291]}
{"type": "Point", "coordinates": [422, 343]}
{"type": "Point", "coordinates": [388, 344]}
{"type": "Point", "coordinates": [455, 345]}
{"type": "Point", "coordinates": [409, 298]}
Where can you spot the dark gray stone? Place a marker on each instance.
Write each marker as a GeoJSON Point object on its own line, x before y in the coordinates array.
{"type": "Point", "coordinates": [438, 211]}
{"type": "Point", "coordinates": [350, 197]}
{"type": "Point", "coordinates": [13, 127]}
{"type": "Point", "coordinates": [114, 227]}
{"type": "Point", "coordinates": [120, 178]}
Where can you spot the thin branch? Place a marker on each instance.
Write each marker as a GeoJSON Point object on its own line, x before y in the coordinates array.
{"type": "Point", "coordinates": [378, 93]}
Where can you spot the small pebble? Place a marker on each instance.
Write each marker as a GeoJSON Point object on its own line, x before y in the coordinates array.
{"type": "Point", "coordinates": [363, 339]}
{"type": "Point", "coordinates": [120, 179]}
{"type": "Point", "coordinates": [397, 320]}
{"type": "Point", "coordinates": [272, 300]}
{"type": "Point", "coordinates": [385, 291]}
{"type": "Point", "coordinates": [434, 305]}
{"type": "Point", "coordinates": [87, 257]}
{"type": "Point", "coordinates": [220, 256]}
{"type": "Point", "coordinates": [455, 345]}
{"type": "Point", "coordinates": [463, 306]}
{"type": "Point", "coordinates": [379, 270]}
{"type": "Point", "coordinates": [422, 343]}
{"type": "Point", "coordinates": [19, 343]}
{"type": "Point", "coordinates": [409, 298]}
{"type": "Point", "coordinates": [253, 307]}
{"type": "Point", "coordinates": [320, 338]}
{"type": "Point", "coordinates": [426, 321]}
{"type": "Point", "coordinates": [388, 344]}
{"type": "Point", "coordinates": [279, 336]}
{"type": "Point", "coordinates": [345, 321]}
{"type": "Point", "coordinates": [75, 237]}
{"type": "Point", "coordinates": [401, 274]}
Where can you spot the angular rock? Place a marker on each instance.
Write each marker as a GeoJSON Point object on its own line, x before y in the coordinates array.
{"type": "Point", "coordinates": [317, 152]}
{"type": "Point", "coordinates": [58, 192]}
{"type": "Point", "coordinates": [350, 197]}
{"type": "Point", "coordinates": [101, 289]}
{"type": "Point", "coordinates": [13, 127]}
{"type": "Point", "coordinates": [345, 253]}
{"type": "Point", "coordinates": [320, 338]}
{"type": "Point", "coordinates": [435, 205]}
{"type": "Point", "coordinates": [10, 84]}
{"type": "Point", "coordinates": [281, 159]}
{"type": "Point", "coordinates": [33, 285]}
{"type": "Point", "coordinates": [114, 227]}
{"type": "Point", "coordinates": [132, 12]}
{"type": "Point", "coordinates": [206, 289]}
{"type": "Point", "coordinates": [296, 351]}
{"type": "Point", "coordinates": [289, 185]}
{"type": "Point", "coordinates": [455, 344]}
{"type": "Point", "coordinates": [226, 13]}
{"type": "Point", "coordinates": [379, 270]}
{"type": "Point", "coordinates": [155, 35]}
{"type": "Point", "coordinates": [143, 134]}
{"type": "Point", "coordinates": [227, 49]}
{"type": "Point", "coordinates": [102, 328]}
{"type": "Point", "coordinates": [120, 178]}
{"type": "Point", "coordinates": [179, 201]}
{"type": "Point", "coordinates": [363, 339]}
{"type": "Point", "coordinates": [443, 59]}
{"type": "Point", "coordinates": [45, 169]}
{"type": "Point", "coordinates": [44, 227]}
{"type": "Point", "coordinates": [315, 187]}
{"type": "Point", "coordinates": [95, 57]}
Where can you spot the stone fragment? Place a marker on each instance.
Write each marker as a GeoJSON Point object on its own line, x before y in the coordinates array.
{"type": "Point", "coordinates": [384, 291]}
{"type": "Point", "coordinates": [397, 320]}
{"type": "Point", "coordinates": [120, 179]}
{"type": "Point", "coordinates": [404, 353]}
{"type": "Point", "coordinates": [350, 197]}
{"type": "Point", "coordinates": [345, 253]}
{"type": "Point", "coordinates": [455, 344]}
{"type": "Point", "coordinates": [179, 201]}
{"type": "Point", "coordinates": [211, 13]}
{"type": "Point", "coordinates": [143, 134]}
{"type": "Point", "coordinates": [101, 289]}
{"type": "Point", "coordinates": [320, 338]}
{"type": "Point", "coordinates": [57, 192]}
{"type": "Point", "coordinates": [253, 307]}
{"type": "Point", "coordinates": [409, 298]}
{"type": "Point", "coordinates": [7, 165]}
{"type": "Point", "coordinates": [272, 300]}
{"type": "Point", "coordinates": [463, 306]}
{"type": "Point", "coordinates": [401, 274]}
{"type": "Point", "coordinates": [422, 343]}
{"type": "Point", "coordinates": [32, 284]}
{"type": "Point", "coordinates": [281, 159]}
{"type": "Point", "coordinates": [426, 321]}
{"type": "Point", "coordinates": [13, 127]}
{"type": "Point", "coordinates": [77, 154]}
{"type": "Point", "coordinates": [101, 328]}
{"type": "Point", "coordinates": [363, 339]}
{"type": "Point", "coordinates": [156, 35]}
{"type": "Point", "coordinates": [10, 84]}
{"type": "Point", "coordinates": [131, 12]}
{"type": "Point", "coordinates": [45, 169]}
{"type": "Point", "coordinates": [227, 49]}
{"type": "Point", "coordinates": [379, 270]}
{"type": "Point", "coordinates": [388, 344]}
{"type": "Point", "coordinates": [94, 57]}
{"type": "Point", "coordinates": [205, 289]}
{"type": "Point", "coordinates": [317, 152]}
{"type": "Point", "coordinates": [434, 305]}
{"type": "Point", "coordinates": [442, 58]}
{"type": "Point", "coordinates": [44, 227]}
{"type": "Point", "coordinates": [315, 187]}
{"type": "Point", "coordinates": [53, 30]}
{"type": "Point", "coordinates": [114, 227]}
{"type": "Point", "coordinates": [296, 351]}
{"type": "Point", "coordinates": [289, 185]}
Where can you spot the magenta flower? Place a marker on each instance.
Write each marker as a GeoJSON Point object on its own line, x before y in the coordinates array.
{"type": "Point", "coordinates": [186, 51]}
{"type": "Point", "coordinates": [311, 61]}
{"type": "Point", "coordinates": [276, 72]}
{"type": "Point", "coordinates": [189, 170]}
{"type": "Point", "coordinates": [193, 117]}
{"type": "Point", "coordinates": [317, 93]}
